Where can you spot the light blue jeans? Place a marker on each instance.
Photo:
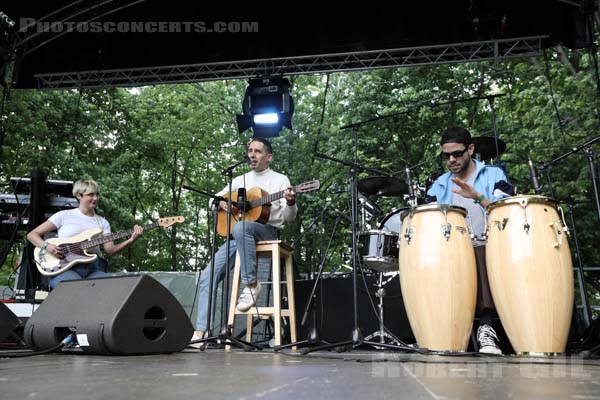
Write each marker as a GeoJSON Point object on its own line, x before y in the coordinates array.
{"type": "Point", "coordinates": [246, 234]}
{"type": "Point", "coordinates": [80, 271]}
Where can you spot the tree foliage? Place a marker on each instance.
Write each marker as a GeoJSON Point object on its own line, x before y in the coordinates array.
{"type": "Point", "coordinates": [143, 145]}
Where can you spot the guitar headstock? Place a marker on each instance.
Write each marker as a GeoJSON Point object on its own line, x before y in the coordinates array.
{"type": "Point", "coordinates": [168, 221]}
{"type": "Point", "coordinates": [308, 186]}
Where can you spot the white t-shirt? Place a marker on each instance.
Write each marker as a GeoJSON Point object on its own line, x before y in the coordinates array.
{"type": "Point", "coordinates": [271, 182]}
{"type": "Point", "coordinates": [73, 222]}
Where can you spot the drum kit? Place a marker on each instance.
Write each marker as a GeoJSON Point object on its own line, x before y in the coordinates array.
{"type": "Point", "coordinates": [430, 246]}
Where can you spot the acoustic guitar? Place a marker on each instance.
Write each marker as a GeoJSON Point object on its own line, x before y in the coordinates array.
{"type": "Point", "coordinates": [75, 248]}
{"type": "Point", "coordinates": [258, 205]}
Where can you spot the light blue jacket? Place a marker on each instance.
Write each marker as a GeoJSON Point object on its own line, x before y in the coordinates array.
{"type": "Point", "coordinates": [489, 180]}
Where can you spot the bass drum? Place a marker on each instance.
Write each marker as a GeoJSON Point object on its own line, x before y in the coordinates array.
{"type": "Point", "coordinates": [392, 222]}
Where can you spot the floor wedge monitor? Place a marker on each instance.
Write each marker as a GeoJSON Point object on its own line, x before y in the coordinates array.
{"type": "Point", "coordinates": [115, 315]}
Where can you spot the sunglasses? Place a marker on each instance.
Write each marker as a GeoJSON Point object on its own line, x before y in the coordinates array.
{"type": "Point", "coordinates": [455, 154]}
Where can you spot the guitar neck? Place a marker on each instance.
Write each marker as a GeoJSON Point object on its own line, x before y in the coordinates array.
{"type": "Point", "coordinates": [112, 236]}
{"type": "Point", "coordinates": [270, 198]}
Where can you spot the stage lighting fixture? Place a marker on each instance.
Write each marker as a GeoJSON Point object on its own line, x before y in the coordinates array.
{"type": "Point", "coordinates": [267, 107]}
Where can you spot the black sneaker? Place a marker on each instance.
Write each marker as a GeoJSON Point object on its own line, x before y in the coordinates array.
{"type": "Point", "coordinates": [486, 339]}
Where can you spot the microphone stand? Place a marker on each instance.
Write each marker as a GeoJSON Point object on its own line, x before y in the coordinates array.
{"type": "Point", "coordinates": [225, 335]}
{"type": "Point", "coordinates": [313, 335]}
{"type": "Point", "coordinates": [357, 338]}
{"type": "Point", "coordinates": [587, 149]}
{"type": "Point", "coordinates": [213, 246]}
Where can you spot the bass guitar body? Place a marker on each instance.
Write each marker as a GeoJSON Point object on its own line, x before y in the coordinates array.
{"type": "Point", "coordinates": [50, 266]}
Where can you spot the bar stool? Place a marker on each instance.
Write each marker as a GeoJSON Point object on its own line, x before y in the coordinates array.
{"type": "Point", "coordinates": [275, 249]}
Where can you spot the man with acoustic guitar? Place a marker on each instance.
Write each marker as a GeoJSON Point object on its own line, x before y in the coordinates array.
{"type": "Point", "coordinates": [72, 222]}
{"type": "Point", "coordinates": [246, 232]}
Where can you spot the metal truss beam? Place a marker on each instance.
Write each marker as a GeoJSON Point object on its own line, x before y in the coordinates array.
{"type": "Point", "coordinates": [492, 50]}
{"type": "Point", "coordinates": [30, 38]}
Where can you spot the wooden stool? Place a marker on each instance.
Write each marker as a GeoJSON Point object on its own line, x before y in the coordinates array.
{"type": "Point", "coordinates": [264, 249]}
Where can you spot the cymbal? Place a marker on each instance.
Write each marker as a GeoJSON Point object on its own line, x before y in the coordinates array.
{"type": "Point", "coordinates": [382, 186]}
{"type": "Point", "coordinates": [485, 146]}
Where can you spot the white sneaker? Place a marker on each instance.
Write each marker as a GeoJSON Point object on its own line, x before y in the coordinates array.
{"type": "Point", "coordinates": [195, 345]}
{"type": "Point", "coordinates": [248, 298]}
{"type": "Point", "coordinates": [487, 338]}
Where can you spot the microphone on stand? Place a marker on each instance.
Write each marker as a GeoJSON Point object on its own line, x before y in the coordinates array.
{"type": "Point", "coordinates": [411, 192]}
{"type": "Point", "coordinates": [241, 200]}
{"type": "Point", "coordinates": [533, 175]}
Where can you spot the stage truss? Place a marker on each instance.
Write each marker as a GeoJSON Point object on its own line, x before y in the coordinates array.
{"type": "Point", "coordinates": [491, 50]}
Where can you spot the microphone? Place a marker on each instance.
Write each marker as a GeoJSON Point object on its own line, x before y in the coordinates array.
{"type": "Point", "coordinates": [247, 159]}
{"type": "Point", "coordinates": [533, 175]}
{"type": "Point", "coordinates": [241, 200]}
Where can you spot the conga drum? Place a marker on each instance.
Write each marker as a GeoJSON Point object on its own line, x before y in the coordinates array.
{"type": "Point", "coordinates": [530, 273]}
{"type": "Point", "coordinates": [438, 277]}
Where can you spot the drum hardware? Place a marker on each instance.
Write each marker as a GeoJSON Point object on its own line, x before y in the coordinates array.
{"type": "Point", "coordinates": [447, 230]}
{"type": "Point", "coordinates": [446, 226]}
{"type": "Point", "coordinates": [558, 230]}
{"type": "Point", "coordinates": [408, 234]}
{"type": "Point", "coordinates": [564, 224]}
{"type": "Point", "coordinates": [500, 224]}
{"type": "Point", "coordinates": [382, 333]}
{"type": "Point", "coordinates": [471, 230]}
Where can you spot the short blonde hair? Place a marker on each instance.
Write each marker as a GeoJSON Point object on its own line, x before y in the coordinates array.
{"type": "Point", "coordinates": [85, 186]}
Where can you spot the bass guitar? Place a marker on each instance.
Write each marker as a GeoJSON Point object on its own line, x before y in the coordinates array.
{"type": "Point", "coordinates": [75, 249]}
{"type": "Point", "coordinates": [258, 205]}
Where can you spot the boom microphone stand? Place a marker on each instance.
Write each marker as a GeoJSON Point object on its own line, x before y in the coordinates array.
{"type": "Point", "coordinates": [356, 339]}
{"type": "Point", "coordinates": [313, 335]}
{"type": "Point", "coordinates": [589, 151]}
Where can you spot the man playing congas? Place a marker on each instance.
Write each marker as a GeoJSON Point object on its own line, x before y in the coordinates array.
{"type": "Point", "coordinates": [472, 185]}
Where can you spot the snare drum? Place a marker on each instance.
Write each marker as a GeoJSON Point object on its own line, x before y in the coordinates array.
{"type": "Point", "coordinates": [530, 273]}
{"type": "Point", "coordinates": [438, 276]}
{"type": "Point", "coordinates": [379, 250]}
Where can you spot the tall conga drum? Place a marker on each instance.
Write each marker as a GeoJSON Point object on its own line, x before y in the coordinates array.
{"type": "Point", "coordinates": [530, 273]}
{"type": "Point", "coordinates": [438, 277]}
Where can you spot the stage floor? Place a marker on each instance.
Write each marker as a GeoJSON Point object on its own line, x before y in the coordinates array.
{"type": "Point", "coordinates": [358, 374]}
